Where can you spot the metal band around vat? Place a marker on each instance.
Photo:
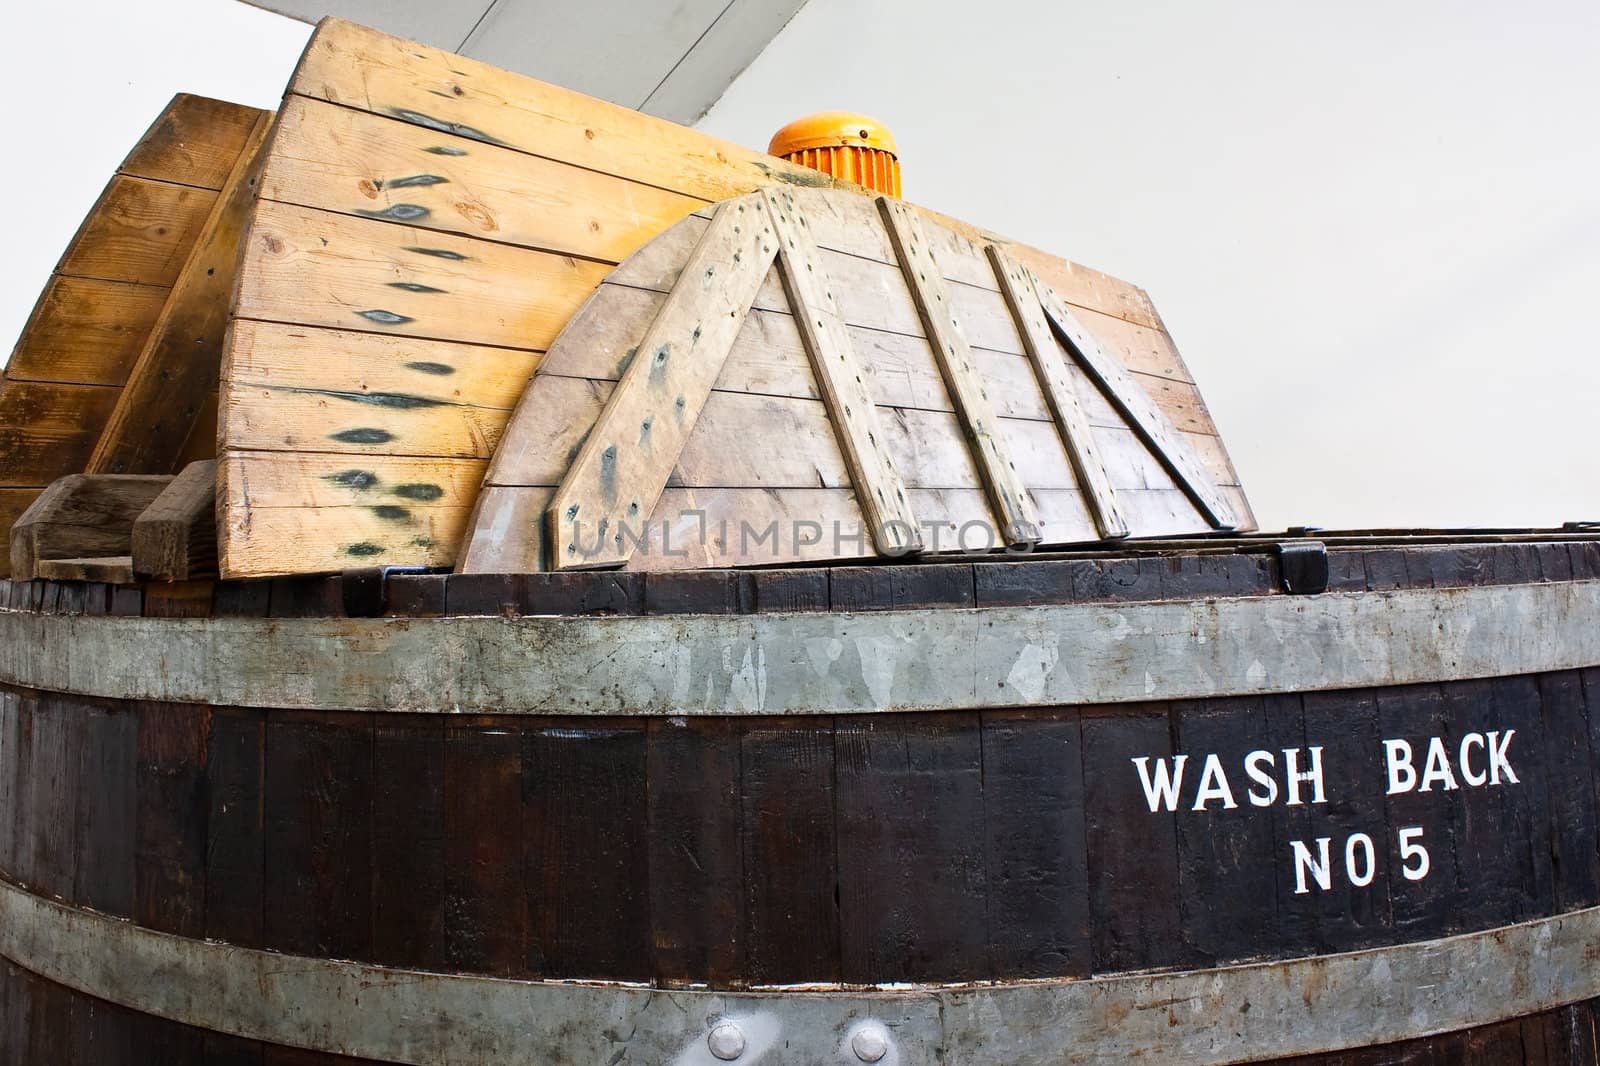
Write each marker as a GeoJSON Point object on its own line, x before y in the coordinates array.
{"type": "Point", "coordinates": [1232, 1014]}
{"type": "Point", "coordinates": [816, 663]}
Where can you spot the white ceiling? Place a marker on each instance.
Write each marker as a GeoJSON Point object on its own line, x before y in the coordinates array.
{"type": "Point", "coordinates": [672, 58]}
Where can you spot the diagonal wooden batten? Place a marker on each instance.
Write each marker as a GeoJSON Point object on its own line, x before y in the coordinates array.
{"type": "Point", "coordinates": [1142, 412]}
{"type": "Point", "coordinates": [1016, 283]}
{"type": "Point", "coordinates": [177, 370]}
{"type": "Point", "coordinates": [599, 512]}
{"type": "Point", "coordinates": [841, 381]}
{"type": "Point", "coordinates": [1019, 521]}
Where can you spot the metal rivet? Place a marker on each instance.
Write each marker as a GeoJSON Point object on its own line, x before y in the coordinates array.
{"type": "Point", "coordinates": [871, 1043]}
{"type": "Point", "coordinates": [726, 1042]}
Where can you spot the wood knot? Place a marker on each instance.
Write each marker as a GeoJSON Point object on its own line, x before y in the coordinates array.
{"type": "Point", "coordinates": [477, 216]}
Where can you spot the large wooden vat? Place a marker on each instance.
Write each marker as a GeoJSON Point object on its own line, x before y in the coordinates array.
{"type": "Point", "coordinates": [814, 815]}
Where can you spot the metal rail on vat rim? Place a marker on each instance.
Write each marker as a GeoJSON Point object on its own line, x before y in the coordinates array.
{"type": "Point", "coordinates": [1226, 1015]}
{"type": "Point", "coordinates": [823, 663]}
{"type": "Point", "coordinates": [815, 663]}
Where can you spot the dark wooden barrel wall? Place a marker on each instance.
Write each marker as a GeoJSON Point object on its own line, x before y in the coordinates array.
{"type": "Point", "coordinates": [745, 851]}
{"type": "Point", "coordinates": [740, 852]}
{"type": "Point", "coordinates": [44, 1024]}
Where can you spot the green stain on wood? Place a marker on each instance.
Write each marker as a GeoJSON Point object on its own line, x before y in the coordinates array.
{"type": "Point", "coordinates": [413, 181]}
{"type": "Point", "coordinates": [418, 490]}
{"type": "Point", "coordinates": [384, 318]}
{"type": "Point", "coordinates": [437, 253]}
{"type": "Point", "coordinates": [360, 480]}
{"type": "Point", "coordinates": [397, 212]}
{"type": "Point", "coordinates": [363, 435]}
{"type": "Point", "coordinates": [427, 121]}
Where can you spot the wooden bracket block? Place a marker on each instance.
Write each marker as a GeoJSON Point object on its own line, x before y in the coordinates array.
{"type": "Point", "coordinates": [175, 539]}
{"type": "Point", "coordinates": [81, 516]}
{"type": "Point", "coordinates": [111, 569]}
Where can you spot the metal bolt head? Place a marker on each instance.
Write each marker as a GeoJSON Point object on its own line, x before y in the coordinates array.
{"type": "Point", "coordinates": [871, 1043]}
{"type": "Point", "coordinates": [726, 1041]}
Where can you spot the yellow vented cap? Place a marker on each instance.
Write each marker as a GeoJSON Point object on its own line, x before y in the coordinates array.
{"type": "Point", "coordinates": [845, 145]}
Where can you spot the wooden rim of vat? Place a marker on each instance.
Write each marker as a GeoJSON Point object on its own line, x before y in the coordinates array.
{"type": "Point", "coordinates": [916, 660]}
{"type": "Point", "coordinates": [1230, 1014]}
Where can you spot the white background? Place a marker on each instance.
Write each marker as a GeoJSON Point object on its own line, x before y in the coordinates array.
{"type": "Point", "coordinates": [1373, 228]}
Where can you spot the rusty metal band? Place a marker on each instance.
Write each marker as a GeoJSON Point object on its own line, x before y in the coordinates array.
{"type": "Point", "coordinates": [816, 663]}
{"type": "Point", "coordinates": [1226, 1015]}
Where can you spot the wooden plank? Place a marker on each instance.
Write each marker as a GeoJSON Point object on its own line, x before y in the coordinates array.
{"type": "Point", "coordinates": [879, 489]}
{"type": "Point", "coordinates": [1142, 413]}
{"type": "Point", "coordinates": [22, 714]}
{"type": "Point", "coordinates": [178, 366]}
{"type": "Point", "coordinates": [53, 824]}
{"type": "Point", "coordinates": [849, 226]}
{"type": "Point", "coordinates": [1574, 820]}
{"type": "Point", "coordinates": [460, 97]}
{"type": "Point", "coordinates": [1034, 845]}
{"type": "Point", "coordinates": [1132, 851]}
{"type": "Point", "coordinates": [48, 430]}
{"type": "Point", "coordinates": [1494, 827]}
{"type": "Point", "coordinates": [1424, 908]}
{"type": "Point", "coordinates": [293, 388]}
{"type": "Point", "coordinates": [13, 502]}
{"type": "Point", "coordinates": [359, 163]}
{"type": "Point", "coordinates": [1347, 917]}
{"type": "Point", "coordinates": [315, 268]}
{"type": "Point", "coordinates": [485, 904]}
{"type": "Point", "coordinates": [790, 848]}
{"type": "Point", "coordinates": [140, 231]}
{"type": "Point", "coordinates": [1227, 858]}
{"type": "Point", "coordinates": [324, 420]}
{"type": "Point", "coordinates": [50, 1028]}
{"type": "Point", "coordinates": [102, 1034]}
{"type": "Point", "coordinates": [620, 472]}
{"type": "Point", "coordinates": [235, 841]}
{"type": "Point", "coordinates": [195, 141]}
{"type": "Point", "coordinates": [697, 868]}
{"type": "Point", "coordinates": [408, 844]}
{"type": "Point", "coordinates": [178, 599]}
{"type": "Point", "coordinates": [175, 538]}
{"type": "Point", "coordinates": [911, 786]}
{"type": "Point", "coordinates": [88, 328]}
{"type": "Point", "coordinates": [437, 90]}
{"type": "Point", "coordinates": [337, 511]}
{"type": "Point", "coordinates": [1017, 286]}
{"type": "Point", "coordinates": [170, 848]}
{"type": "Point", "coordinates": [1019, 521]}
{"type": "Point", "coordinates": [770, 357]}
{"type": "Point", "coordinates": [85, 331]}
{"type": "Point", "coordinates": [1299, 928]}
{"type": "Point", "coordinates": [587, 851]}
{"type": "Point", "coordinates": [317, 814]}
{"type": "Point", "coordinates": [202, 442]}
{"type": "Point", "coordinates": [105, 876]}
{"type": "Point", "coordinates": [112, 569]}
{"type": "Point", "coordinates": [872, 294]}
{"type": "Point", "coordinates": [81, 516]}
